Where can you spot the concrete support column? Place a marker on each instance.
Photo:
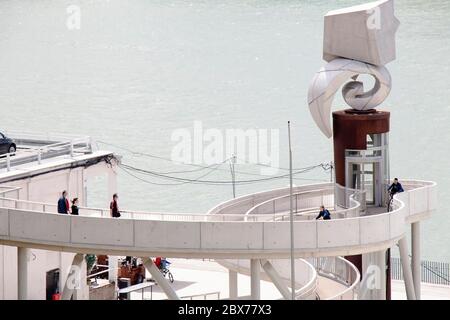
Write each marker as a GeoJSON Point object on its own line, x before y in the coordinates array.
{"type": "Point", "coordinates": [112, 266]}
{"type": "Point", "coordinates": [415, 260]}
{"type": "Point", "coordinates": [276, 279]}
{"type": "Point", "coordinates": [22, 273]}
{"type": "Point", "coordinates": [233, 284]}
{"type": "Point", "coordinates": [373, 285]}
{"type": "Point", "coordinates": [159, 278]}
{"type": "Point", "coordinates": [73, 280]}
{"type": "Point", "coordinates": [255, 279]}
{"type": "Point", "coordinates": [381, 259]}
{"type": "Point", "coordinates": [406, 266]}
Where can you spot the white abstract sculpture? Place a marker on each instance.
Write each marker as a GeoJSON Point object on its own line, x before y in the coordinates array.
{"type": "Point", "coordinates": [357, 40]}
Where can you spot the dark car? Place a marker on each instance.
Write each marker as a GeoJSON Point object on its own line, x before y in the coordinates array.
{"type": "Point", "coordinates": [7, 145]}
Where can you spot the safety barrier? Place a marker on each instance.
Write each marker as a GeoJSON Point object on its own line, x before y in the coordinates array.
{"type": "Point", "coordinates": [433, 272]}
{"type": "Point", "coordinates": [36, 148]}
{"type": "Point", "coordinates": [342, 271]}
{"type": "Point", "coordinates": [204, 235]}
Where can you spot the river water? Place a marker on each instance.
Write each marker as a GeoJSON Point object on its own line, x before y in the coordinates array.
{"type": "Point", "coordinates": [136, 71]}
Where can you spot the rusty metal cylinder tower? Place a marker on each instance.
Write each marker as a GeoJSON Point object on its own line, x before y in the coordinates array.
{"type": "Point", "coordinates": [361, 160]}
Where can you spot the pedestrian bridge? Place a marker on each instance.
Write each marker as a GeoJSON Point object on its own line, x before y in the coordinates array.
{"type": "Point", "coordinates": [253, 227]}
{"type": "Point", "coordinates": [230, 230]}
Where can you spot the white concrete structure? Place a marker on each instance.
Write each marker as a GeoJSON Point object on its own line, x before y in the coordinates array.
{"type": "Point", "coordinates": [365, 33]}
{"type": "Point", "coordinates": [41, 169]}
{"type": "Point", "coordinates": [225, 232]}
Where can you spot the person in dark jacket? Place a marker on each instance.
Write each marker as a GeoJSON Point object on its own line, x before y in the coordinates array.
{"type": "Point", "coordinates": [63, 203]}
{"type": "Point", "coordinates": [324, 213]}
{"type": "Point", "coordinates": [114, 208]}
{"type": "Point", "coordinates": [395, 187]}
{"type": "Point", "coordinates": [75, 206]}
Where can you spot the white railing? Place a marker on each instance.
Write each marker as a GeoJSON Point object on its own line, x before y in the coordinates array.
{"type": "Point", "coordinates": [342, 271]}
{"type": "Point", "coordinates": [308, 202]}
{"type": "Point", "coordinates": [302, 201]}
{"type": "Point", "coordinates": [306, 275]}
{"type": "Point", "coordinates": [202, 235]}
{"type": "Point", "coordinates": [202, 296]}
{"type": "Point", "coordinates": [273, 209]}
{"type": "Point", "coordinates": [32, 147]}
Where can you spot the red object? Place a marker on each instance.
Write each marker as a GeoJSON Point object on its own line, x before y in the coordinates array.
{"type": "Point", "coordinates": [67, 205]}
{"type": "Point", "coordinates": [158, 262]}
{"type": "Point", "coordinates": [350, 131]}
{"type": "Point", "coordinates": [56, 296]}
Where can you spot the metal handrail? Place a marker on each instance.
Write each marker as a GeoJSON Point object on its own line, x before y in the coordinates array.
{"type": "Point", "coordinates": [351, 279]}
{"type": "Point", "coordinates": [173, 216]}
{"type": "Point", "coordinates": [67, 144]}
{"type": "Point", "coordinates": [250, 211]}
{"type": "Point", "coordinates": [204, 295]}
{"type": "Point", "coordinates": [355, 206]}
{"type": "Point", "coordinates": [105, 213]}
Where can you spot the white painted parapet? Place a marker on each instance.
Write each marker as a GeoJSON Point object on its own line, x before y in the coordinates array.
{"type": "Point", "coordinates": [215, 236]}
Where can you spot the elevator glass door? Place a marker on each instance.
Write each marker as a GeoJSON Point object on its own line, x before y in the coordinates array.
{"type": "Point", "coordinates": [366, 176]}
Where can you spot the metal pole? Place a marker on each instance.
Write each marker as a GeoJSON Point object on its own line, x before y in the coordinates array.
{"type": "Point", "coordinates": [8, 162]}
{"type": "Point", "coordinates": [233, 174]}
{"type": "Point", "coordinates": [291, 216]}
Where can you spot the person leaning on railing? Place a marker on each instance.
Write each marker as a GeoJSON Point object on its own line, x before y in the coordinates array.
{"type": "Point", "coordinates": [324, 214]}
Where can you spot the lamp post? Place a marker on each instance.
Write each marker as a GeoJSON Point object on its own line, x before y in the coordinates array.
{"type": "Point", "coordinates": [233, 174]}
{"type": "Point", "coordinates": [291, 215]}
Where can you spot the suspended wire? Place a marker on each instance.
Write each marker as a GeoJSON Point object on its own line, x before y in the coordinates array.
{"type": "Point", "coordinates": [212, 166]}
{"type": "Point", "coordinates": [198, 180]}
{"type": "Point", "coordinates": [138, 153]}
{"type": "Point", "coordinates": [325, 166]}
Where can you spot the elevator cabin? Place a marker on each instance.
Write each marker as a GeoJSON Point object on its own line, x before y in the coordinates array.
{"type": "Point", "coordinates": [367, 170]}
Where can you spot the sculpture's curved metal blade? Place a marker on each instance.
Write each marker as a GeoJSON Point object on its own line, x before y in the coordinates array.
{"type": "Point", "coordinates": [335, 74]}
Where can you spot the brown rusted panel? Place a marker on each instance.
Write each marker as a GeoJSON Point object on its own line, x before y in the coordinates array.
{"type": "Point", "coordinates": [357, 262]}
{"type": "Point", "coordinates": [350, 131]}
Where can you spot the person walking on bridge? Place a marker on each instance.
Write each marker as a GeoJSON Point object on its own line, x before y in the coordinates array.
{"type": "Point", "coordinates": [113, 206]}
{"type": "Point", "coordinates": [324, 213]}
{"type": "Point", "coordinates": [63, 203]}
{"type": "Point", "coordinates": [75, 206]}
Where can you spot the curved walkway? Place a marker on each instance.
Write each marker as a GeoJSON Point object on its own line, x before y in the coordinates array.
{"type": "Point", "coordinates": [221, 233]}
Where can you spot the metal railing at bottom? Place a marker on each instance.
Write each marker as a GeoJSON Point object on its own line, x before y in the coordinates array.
{"type": "Point", "coordinates": [203, 296]}
{"type": "Point", "coordinates": [342, 271]}
{"type": "Point", "coordinates": [432, 272]}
